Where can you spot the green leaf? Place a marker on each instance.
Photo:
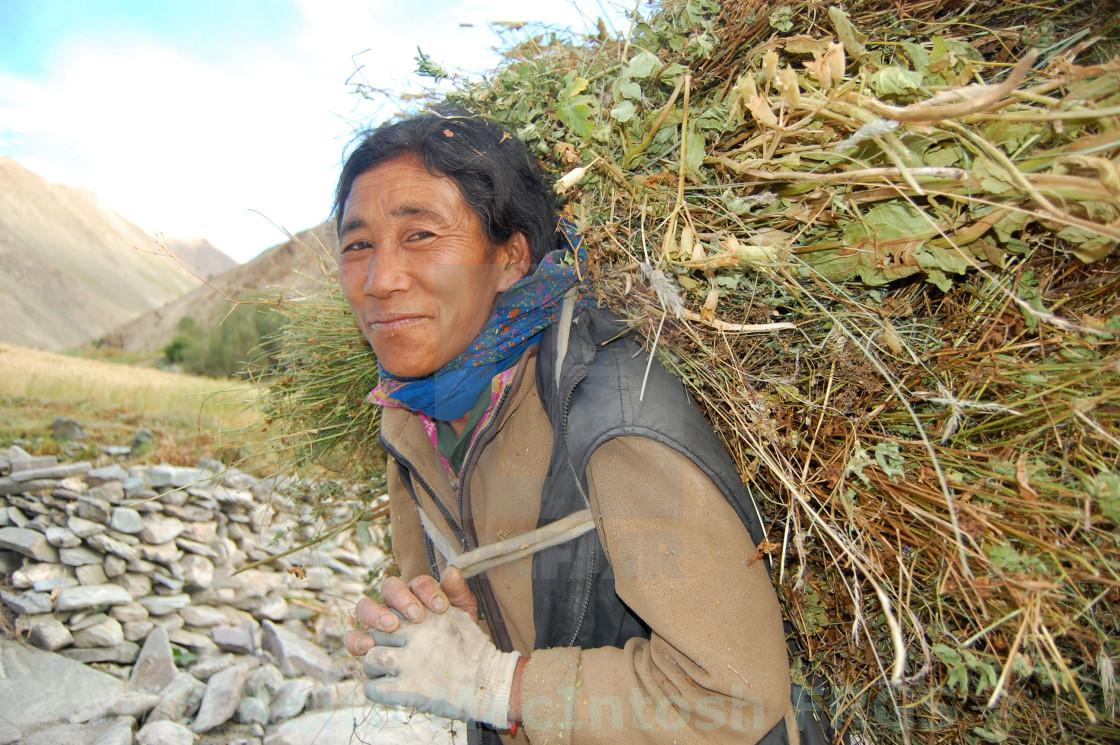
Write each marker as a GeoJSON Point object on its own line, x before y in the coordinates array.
{"type": "Point", "coordinates": [428, 68]}
{"type": "Point", "coordinates": [852, 40]}
{"type": "Point", "coordinates": [782, 19]}
{"type": "Point", "coordinates": [1087, 245]}
{"type": "Point", "coordinates": [630, 89]}
{"type": "Point", "coordinates": [695, 149]}
{"type": "Point", "coordinates": [624, 112]}
{"type": "Point", "coordinates": [1104, 489]}
{"type": "Point", "coordinates": [919, 57]}
{"type": "Point", "coordinates": [895, 81]}
{"type": "Point", "coordinates": [642, 66]}
{"type": "Point", "coordinates": [576, 111]}
{"type": "Point", "coordinates": [939, 279]}
{"type": "Point", "coordinates": [990, 735]}
{"type": "Point", "coordinates": [889, 459]}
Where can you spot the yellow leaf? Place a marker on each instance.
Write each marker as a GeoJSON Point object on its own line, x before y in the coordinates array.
{"type": "Point", "coordinates": [761, 111]}
{"type": "Point", "coordinates": [708, 312]}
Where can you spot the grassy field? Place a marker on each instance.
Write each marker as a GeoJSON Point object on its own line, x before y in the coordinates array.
{"type": "Point", "coordinates": [190, 415]}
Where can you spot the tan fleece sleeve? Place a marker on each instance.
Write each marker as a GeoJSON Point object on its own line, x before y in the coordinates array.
{"type": "Point", "coordinates": [715, 669]}
{"type": "Point", "coordinates": [404, 526]}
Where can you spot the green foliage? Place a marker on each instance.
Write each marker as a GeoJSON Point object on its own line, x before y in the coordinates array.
{"type": "Point", "coordinates": [244, 343]}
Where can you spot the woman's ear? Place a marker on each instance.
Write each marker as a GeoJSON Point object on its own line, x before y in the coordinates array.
{"type": "Point", "coordinates": [513, 259]}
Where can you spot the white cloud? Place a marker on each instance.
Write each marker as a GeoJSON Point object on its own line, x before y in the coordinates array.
{"type": "Point", "coordinates": [187, 147]}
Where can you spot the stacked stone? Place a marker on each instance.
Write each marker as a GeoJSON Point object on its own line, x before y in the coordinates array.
{"type": "Point", "coordinates": [103, 560]}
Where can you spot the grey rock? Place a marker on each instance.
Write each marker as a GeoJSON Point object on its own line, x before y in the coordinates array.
{"type": "Point", "coordinates": [129, 613]}
{"type": "Point", "coordinates": [137, 585]}
{"type": "Point", "coordinates": [67, 429]}
{"type": "Point", "coordinates": [202, 532]}
{"type": "Point", "coordinates": [187, 512]}
{"type": "Point", "coordinates": [362, 724]}
{"type": "Point", "coordinates": [219, 703]}
{"type": "Point", "coordinates": [273, 607]}
{"type": "Point", "coordinates": [94, 509]}
{"type": "Point", "coordinates": [164, 733]}
{"type": "Point", "coordinates": [193, 640]}
{"type": "Point", "coordinates": [50, 635]}
{"type": "Point", "coordinates": [155, 666]}
{"type": "Point", "coordinates": [337, 695]}
{"type": "Point", "coordinates": [113, 546]}
{"type": "Point", "coordinates": [84, 528]}
{"type": "Point", "coordinates": [142, 437]}
{"type": "Point", "coordinates": [135, 631]}
{"type": "Point", "coordinates": [296, 655]}
{"type": "Point", "coordinates": [119, 732]}
{"type": "Point", "coordinates": [170, 585]}
{"type": "Point", "coordinates": [203, 616]}
{"type": "Point", "coordinates": [107, 633]}
{"type": "Point", "coordinates": [179, 699]}
{"type": "Point", "coordinates": [164, 553]}
{"type": "Point", "coordinates": [175, 476]}
{"type": "Point", "coordinates": [9, 733]}
{"type": "Point", "coordinates": [198, 571]}
{"type": "Point", "coordinates": [27, 603]}
{"type": "Point", "coordinates": [240, 638]}
{"type": "Point", "coordinates": [170, 621]}
{"type": "Point", "coordinates": [105, 474]}
{"type": "Point", "coordinates": [79, 556]}
{"type": "Point", "coordinates": [160, 529]}
{"type": "Point", "coordinates": [83, 620]}
{"type": "Point", "coordinates": [291, 699]}
{"type": "Point", "coordinates": [161, 605]}
{"type": "Point", "coordinates": [252, 710]}
{"type": "Point", "coordinates": [30, 543]}
{"type": "Point", "coordinates": [210, 665]}
{"type": "Point", "coordinates": [54, 583]}
{"type": "Point", "coordinates": [27, 462]}
{"type": "Point", "coordinates": [33, 573]}
{"type": "Point", "coordinates": [110, 491]}
{"type": "Point", "coordinates": [264, 682]}
{"type": "Point", "coordinates": [124, 653]}
{"type": "Point", "coordinates": [51, 473]}
{"type": "Point", "coordinates": [134, 704]}
{"type": "Point", "coordinates": [195, 547]}
{"type": "Point", "coordinates": [40, 687]}
{"type": "Point", "coordinates": [15, 516]}
{"type": "Point", "coordinates": [126, 520]}
{"type": "Point", "coordinates": [91, 574]}
{"type": "Point", "coordinates": [116, 450]}
{"type": "Point", "coordinates": [115, 566]}
{"type": "Point", "coordinates": [61, 537]}
{"type": "Point", "coordinates": [90, 596]}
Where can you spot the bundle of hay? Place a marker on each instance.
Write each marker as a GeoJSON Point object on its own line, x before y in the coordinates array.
{"type": "Point", "coordinates": [928, 195]}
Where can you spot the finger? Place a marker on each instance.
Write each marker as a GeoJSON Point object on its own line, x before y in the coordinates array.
{"type": "Point", "coordinates": [429, 593]}
{"type": "Point", "coordinates": [399, 597]}
{"type": "Point", "coordinates": [458, 592]}
{"type": "Point", "coordinates": [357, 642]}
{"type": "Point", "coordinates": [373, 615]}
{"type": "Point", "coordinates": [375, 666]}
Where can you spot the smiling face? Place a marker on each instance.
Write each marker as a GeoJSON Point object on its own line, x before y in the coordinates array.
{"type": "Point", "coordinates": [417, 267]}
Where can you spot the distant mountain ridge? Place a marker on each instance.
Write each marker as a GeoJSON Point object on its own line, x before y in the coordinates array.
{"type": "Point", "coordinates": [71, 269]}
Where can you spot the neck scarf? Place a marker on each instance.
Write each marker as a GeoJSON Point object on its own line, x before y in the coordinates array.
{"type": "Point", "coordinates": [518, 321]}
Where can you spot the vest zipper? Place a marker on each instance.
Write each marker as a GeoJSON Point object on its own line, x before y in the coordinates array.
{"type": "Point", "coordinates": [431, 492]}
{"type": "Point", "coordinates": [589, 580]}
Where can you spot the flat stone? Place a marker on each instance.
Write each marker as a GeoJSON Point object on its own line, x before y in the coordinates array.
{"type": "Point", "coordinates": [54, 583]}
{"type": "Point", "coordinates": [164, 553]}
{"type": "Point", "coordinates": [175, 476]}
{"type": "Point", "coordinates": [107, 633]}
{"type": "Point", "coordinates": [115, 566]}
{"type": "Point", "coordinates": [10, 561]}
{"type": "Point", "coordinates": [124, 653]}
{"type": "Point", "coordinates": [160, 605]}
{"type": "Point", "coordinates": [200, 532]}
{"type": "Point", "coordinates": [94, 509]}
{"type": "Point", "coordinates": [84, 528]}
{"type": "Point", "coordinates": [67, 429]}
{"type": "Point", "coordinates": [240, 639]}
{"type": "Point", "coordinates": [52, 473]}
{"type": "Point", "coordinates": [363, 724]}
{"type": "Point", "coordinates": [273, 608]}
{"type": "Point", "coordinates": [126, 520]}
{"type": "Point", "coordinates": [30, 543]}
{"type": "Point", "coordinates": [9, 733]}
{"type": "Point", "coordinates": [40, 687]}
{"type": "Point", "coordinates": [179, 699]}
{"type": "Point", "coordinates": [91, 574]}
{"type": "Point", "coordinates": [91, 596]}
{"type": "Point", "coordinates": [210, 665]}
{"type": "Point", "coordinates": [160, 529]}
{"type": "Point", "coordinates": [33, 573]}
{"type": "Point", "coordinates": [116, 450]}
{"type": "Point", "coordinates": [113, 546]}
{"type": "Point", "coordinates": [50, 635]}
{"type": "Point", "coordinates": [192, 640]}
{"type": "Point", "coordinates": [164, 733]}
{"type": "Point", "coordinates": [61, 537]}
{"type": "Point", "coordinates": [79, 556]}
{"type": "Point", "coordinates": [14, 516]}
{"type": "Point", "coordinates": [198, 571]}
{"type": "Point", "coordinates": [172, 585]}
{"type": "Point", "coordinates": [110, 491]}
{"type": "Point", "coordinates": [118, 733]}
{"type": "Point", "coordinates": [83, 620]}
{"type": "Point", "coordinates": [203, 616]}
{"type": "Point", "coordinates": [187, 512]}
{"type": "Point", "coordinates": [170, 622]}
{"type": "Point", "coordinates": [136, 631]}
{"type": "Point", "coordinates": [252, 710]}
{"type": "Point", "coordinates": [134, 704]}
{"type": "Point", "coordinates": [219, 703]}
{"type": "Point", "coordinates": [27, 603]}
{"type": "Point", "coordinates": [132, 612]}
{"type": "Point", "coordinates": [295, 655]}
{"type": "Point", "coordinates": [291, 699]}
{"type": "Point", "coordinates": [137, 585]}
{"type": "Point", "coordinates": [105, 474]}
{"type": "Point", "coordinates": [264, 682]}
{"type": "Point", "coordinates": [155, 666]}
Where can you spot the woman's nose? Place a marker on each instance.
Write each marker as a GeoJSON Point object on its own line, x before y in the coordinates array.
{"type": "Point", "coordinates": [386, 273]}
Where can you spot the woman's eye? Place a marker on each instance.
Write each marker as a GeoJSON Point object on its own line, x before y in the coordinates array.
{"type": "Point", "coordinates": [420, 235]}
{"type": "Point", "coordinates": [356, 246]}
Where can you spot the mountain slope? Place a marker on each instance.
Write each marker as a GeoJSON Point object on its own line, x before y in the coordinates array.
{"type": "Point", "coordinates": [299, 266]}
{"type": "Point", "coordinates": [71, 269]}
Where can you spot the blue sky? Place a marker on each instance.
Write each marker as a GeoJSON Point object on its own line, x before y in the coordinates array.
{"type": "Point", "coordinates": [191, 117]}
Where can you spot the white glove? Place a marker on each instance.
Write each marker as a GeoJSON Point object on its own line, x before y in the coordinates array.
{"type": "Point", "coordinates": [444, 666]}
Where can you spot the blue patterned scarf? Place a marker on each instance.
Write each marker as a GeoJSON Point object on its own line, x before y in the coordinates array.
{"type": "Point", "coordinates": [518, 321]}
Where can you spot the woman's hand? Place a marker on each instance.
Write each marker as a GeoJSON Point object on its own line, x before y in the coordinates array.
{"type": "Point", "coordinates": [413, 601]}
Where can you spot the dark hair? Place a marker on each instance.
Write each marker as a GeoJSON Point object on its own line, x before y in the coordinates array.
{"type": "Point", "coordinates": [497, 175]}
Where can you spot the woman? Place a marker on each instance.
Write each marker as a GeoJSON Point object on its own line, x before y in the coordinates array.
{"type": "Point", "coordinates": [510, 404]}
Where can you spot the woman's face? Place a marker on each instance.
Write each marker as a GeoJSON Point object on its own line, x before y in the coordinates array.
{"type": "Point", "coordinates": [417, 267]}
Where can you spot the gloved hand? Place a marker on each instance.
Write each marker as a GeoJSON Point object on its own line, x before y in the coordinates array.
{"type": "Point", "coordinates": [443, 665]}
